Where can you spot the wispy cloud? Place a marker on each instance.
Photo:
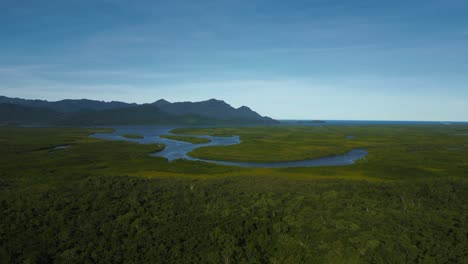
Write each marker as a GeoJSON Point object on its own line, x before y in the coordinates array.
{"type": "Point", "coordinates": [52, 72]}
{"type": "Point", "coordinates": [131, 74]}
{"type": "Point", "coordinates": [23, 69]}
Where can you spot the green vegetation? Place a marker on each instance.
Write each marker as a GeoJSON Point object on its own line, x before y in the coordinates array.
{"type": "Point", "coordinates": [110, 202]}
{"type": "Point", "coordinates": [394, 151]}
{"type": "Point", "coordinates": [193, 140]}
{"type": "Point", "coordinates": [132, 136]}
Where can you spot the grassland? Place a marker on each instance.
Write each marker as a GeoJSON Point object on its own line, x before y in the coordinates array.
{"type": "Point", "coordinates": [394, 151]}
{"type": "Point", "coordinates": [189, 139]}
{"type": "Point", "coordinates": [110, 202]}
{"type": "Point", "coordinates": [134, 136]}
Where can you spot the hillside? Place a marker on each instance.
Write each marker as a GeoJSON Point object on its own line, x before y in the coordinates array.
{"type": "Point", "coordinates": [67, 105]}
{"type": "Point", "coordinates": [89, 112]}
{"type": "Point", "coordinates": [12, 114]}
{"type": "Point", "coordinates": [213, 108]}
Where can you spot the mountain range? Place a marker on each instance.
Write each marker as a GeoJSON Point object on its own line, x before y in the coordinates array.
{"type": "Point", "coordinates": [84, 112]}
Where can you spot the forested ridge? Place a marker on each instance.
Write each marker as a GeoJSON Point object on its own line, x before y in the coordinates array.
{"type": "Point", "coordinates": [16, 111]}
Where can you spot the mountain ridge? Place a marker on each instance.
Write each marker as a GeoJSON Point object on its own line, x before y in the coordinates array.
{"type": "Point", "coordinates": [66, 105]}
{"type": "Point", "coordinates": [92, 112]}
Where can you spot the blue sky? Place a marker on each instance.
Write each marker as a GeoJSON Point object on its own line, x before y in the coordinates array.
{"type": "Point", "coordinates": [314, 59]}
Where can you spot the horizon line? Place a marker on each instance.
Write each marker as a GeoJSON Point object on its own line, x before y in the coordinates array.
{"type": "Point", "coordinates": [278, 119]}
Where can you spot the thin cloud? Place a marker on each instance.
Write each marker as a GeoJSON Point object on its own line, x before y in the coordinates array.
{"type": "Point", "coordinates": [123, 73]}
{"type": "Point", "coordinates": [24, 69]}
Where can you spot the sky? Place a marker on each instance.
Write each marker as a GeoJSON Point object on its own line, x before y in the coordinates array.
{"type": "Point", "coordinates": [302, 59]}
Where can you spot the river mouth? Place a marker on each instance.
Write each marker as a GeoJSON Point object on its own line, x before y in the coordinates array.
{"type": "Point", "coordinates": [178, 149]}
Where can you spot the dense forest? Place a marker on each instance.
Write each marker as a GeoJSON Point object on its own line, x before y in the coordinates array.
{"type": "Point", "coordinates": [109, 202]}
{"type": "Point", "coordinates": [129, 219]}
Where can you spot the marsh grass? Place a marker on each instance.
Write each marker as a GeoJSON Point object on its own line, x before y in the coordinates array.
{"type": "Point", "coordinates": [134, 136]}
{"type": "Point", "coordinates": [394, 151]}
{"type": "Point", "coordinates": [189, 139]}
{"type": "Point", "coordinates": [109, 201]}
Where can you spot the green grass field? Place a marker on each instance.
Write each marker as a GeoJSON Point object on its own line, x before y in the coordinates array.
{"type": "Point", "coordinates": [132, 136]}
{"type": "Point", "coordinates": [110, 202]}
{"type": "Point", "coordinates": [193, 140]}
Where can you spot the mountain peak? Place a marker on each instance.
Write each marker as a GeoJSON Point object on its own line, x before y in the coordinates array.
{"type": "Point", "coordinates": [244, 108]}
{"type": "Point", "coordinates": [161, 102]}
{"type": "Point", "coordinates": [213, 100]}
{"type": "Point", "coordinates": [84, 111]}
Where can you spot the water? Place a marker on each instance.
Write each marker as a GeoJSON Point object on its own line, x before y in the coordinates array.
{"type": "Point", "coordinates": [339, 160]}
{"type": "Point", "coordinates": [62, 147]}
{"type": "Point", "coordinates": [174, 149]}
{"type": "Point", "coordinates": [178, 149]}
{"type": "Point", "coordinates": [366, 122]}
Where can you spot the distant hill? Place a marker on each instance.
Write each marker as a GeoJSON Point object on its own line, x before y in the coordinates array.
{"type": "Point", "coordinates": [89, 112]}
{"type": "Point", "coordinates": [66, 106]}
{"type": "Point", "coordinates": [216, 109]}
{"type": "Point", "coordinates": [12, 114]}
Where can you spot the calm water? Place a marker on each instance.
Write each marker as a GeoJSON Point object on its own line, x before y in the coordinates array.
{"type": "Point", "coordinates": [339, 160]}
{"type": "Point", "coordinates": [368, 122]}
{"type": "Point", "coordinates": [178, 150]}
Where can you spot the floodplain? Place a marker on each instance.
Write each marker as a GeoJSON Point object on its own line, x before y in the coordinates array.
{"type": "Point", "coordinates": [110, 201]}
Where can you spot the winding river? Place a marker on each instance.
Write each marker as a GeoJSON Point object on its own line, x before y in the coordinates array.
{"type": "Point", "coordinates": [178, 150]}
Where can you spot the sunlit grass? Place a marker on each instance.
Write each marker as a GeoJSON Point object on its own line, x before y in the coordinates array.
{"type": "Point", "coordinates": [193, 140]}
{"type": "Point", "coordinates": [134, 136]}
{"type": "Point", "coordinates": [110, 201]}
{"type": "Point", "coordinates": [402, 152]}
